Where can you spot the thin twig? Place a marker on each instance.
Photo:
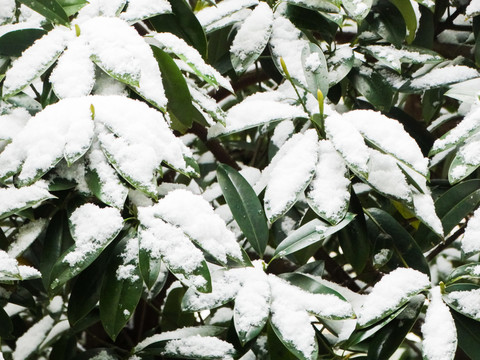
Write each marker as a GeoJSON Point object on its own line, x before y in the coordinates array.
{"type": "Point", "coordinates": [446, 243]}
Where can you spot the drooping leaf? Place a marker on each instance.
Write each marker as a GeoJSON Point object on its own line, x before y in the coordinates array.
{"type": "Point", "coordinates": [13, 43]}
{"type": "Point", "coordinates": [409, 16]}
{"type": "Point", "coordinates": [358, 10]}
{"type": "Point", "coordinates": [245, 206]}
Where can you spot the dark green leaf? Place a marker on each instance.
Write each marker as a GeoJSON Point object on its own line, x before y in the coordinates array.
{"type": "Point", "coordinates": [59, 184]}
{"type": "Point", "coordinates": [51, 9]}
{"type": "Point", "coordinates": [406, 249]}
{"type": "Point", "coordinates": [119, 297]}
{"type": "Point", "coordinates": [291, 347]}
{"type": "Point", "coordinates": [13, 43]}
{"type": "Point", "coordinates": [309, 284]}
{"type": "Point", "coordinates": [72, 6]}
{"type": "Point", "coordinates": [176, 90]}
{"type": "Point", "coordinates": [374, 87]}
{"type": "Point", "coordinates": [454, 303]}
{"type": "Point", "coordinates": [6, 326]}
{"type": "Point", "coordinates": [182, 23]}
{"type": "Point", "coordinates": [312, 20]}
{"type": "Point", "coordinates": [468, 271]}
{"type": "Point", "coordinates": [149, 268]}
{"type": "Point", "coordinates": [389, 24]}
{"type": "Point", "coordinates": [310, 233]}
{"type": "Point", "coordinates": [454, 205]}
{"type": "Point", "coordinates": [408, 14]}
{"type": "Point", "coordinates": [468, 334]}
{"type": "Point", "coordinates": [245, 206]}
{"type": "Point", "coordinates": [276, 349]}
{"type": "Point", "coordinates": [389, 338]}
{"type": "Point", "coordinates": [173, 317]}
{"type": "Point", "coordinates": [317, 78]}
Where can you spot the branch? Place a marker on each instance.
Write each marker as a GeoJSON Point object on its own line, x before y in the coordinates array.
{"type": "Point", "coordinates": [446, 243]}
{"type": "Point", "coordinates": [214, 146]}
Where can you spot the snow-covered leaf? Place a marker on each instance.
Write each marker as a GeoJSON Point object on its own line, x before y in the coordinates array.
{"type": "Point", "coordinates": [12, 123]}
{"type": "Point", "coordinates": [173, 44]}
{"type": "Point", "coordinates": [196, 218]}
{"type": "Point", "coordinates": [35, 61]}
{"type": "Point", "coordinates": [439, 77]}
{"type": "Point", "coordinates": [329, 6]}
{"type": "Point", "coordinates": [102, 179]}
{"type": "Point", "coordinates": [467, 271]}
{"type": "Point", "coordinates": [439, 332]}
{"type": "Point", "coordinates": [357, 9]}
{"type": "Point", "coordinates": [348, 141]}
{"type": "Point", "coordinates": [473, 9]}
{"type": "Point", "coordinates": [394, 58]}
{"type": "Point", "coordinates": [29, 342]}
{"type": "Point", "coordinates": [138, 10]}
{"type": "Point", "coordinates": [92, 229]}
{"type": "Point", "coordinates": [466, 161]}
{"type": "Point", "coordinates": [74, 74]}
{"type": "Point", "coordinates": [328, 194]}
{"type": "Point", "coordinates": [424, 209]}
{"type": "Point", "coordinates": [94, 8]}
{"type": "Point", "coordinates": [14, 200]}
{"type": "Point", "coordinates": [388, 135]}
{"type": "Point", "coordinates": [339, 64]}
{"type": "Point", "coordinates": [11, 270]}
{"type": "Point", "coordinates": [223, 14]}
{"type": "Point", "coordinates": [315, 70]}
{"type": "Point", "coordinates": [168, 242]}
{"type": "Point", "coordinates": [251, 38]}
{"type": "Point", "coordinates": [466, 302]}
{"type": "Point", "coordinates": [310, 233]}
{"type": "Point", "coordinates": [26, 235]}
{"type": "Point", "coordinates": [200, 347]}
{"type": "Point", "coordinates": [470, 244]}
{"type": "Point", "coordinates": [120, 51]}
{"type": "Point", "coordinates": [390, 293]}
{"type": "Point", "coordinates": [253, 112]}
{"type": "Point", "coordinates": [288, 177]}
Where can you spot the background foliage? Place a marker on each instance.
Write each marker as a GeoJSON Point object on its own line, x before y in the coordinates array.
{"type": "Point", "coordinates": [246, 179]}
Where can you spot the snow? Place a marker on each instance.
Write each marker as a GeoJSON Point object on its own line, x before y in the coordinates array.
{"type": "Point", "coordinates": [287, 176]}
{"type": "Point", "coordinates": [74, 74]}
{"type": "Point", "coordinates": [386, 177]}
{"type": "Point", "coordinates": [389, 135]}
{"type": "Point", "coordinates": [200, 347]}
{"type": "Point", "coordinates": [95, 8]}
{"type": "Point", "coordinates": [444, 76]}
{"type": "Point", "coordinates": [287, 43]}
{"type": "Point", "coordinates": [209, 17]}
{"type": "Point", "coordinates": [391, 291]}
{"type": "Point", "coordinates": [8, 265]}
{"type": "Point", "coordinates": [329, 190]}
{"type": "Point", "coordinates": [13, 199]}
{"type": "Point", "coordinates": [13, 122]}
{"type": "Point", "coordinates": [470, 242]}
{"type": "Point", "coordinates": [127, 270]}
{"type": "Point", "coordinates": [26, 235]}
{"type": "Point", "coordinates": [170, 243]}
{"type": "Point", "coordinates": [192, 58]}
{"type": "Point", "coordinates": [143, 9]}
{"type": "Point", "coordinates": [27, 272]}
{"type": "Point", "coordinates": [119, 49]}
{"type": "Point", "coordinates": [197, 219]}
{"type": "Point", "coordinates": [221, 316]}
{"type": "Point", "coordinates": [56, 305]}
{"type": "Point", "coordinates": [424, 208]}
{"type": "Point", "coordinates": [462, 131]}
{"type": "Point", "coordinates": [393, 57]}
{"type": "Point", "coordinates": [282, 133]}
{"type": "Point", "coordinates": [7, 10]}
{"type": "Point", "coordinates": [92, 228]}
{"type": "Point", "coordinates": [28, 343]}
{"type": "Point", "coordinates": [439, 332]}
{"type": "Point", "coordinates": [468, 302]}
{"type": "Point", "coordinates": [35, 60]}
{"type": "Point", "coordinates": [473, 8]}
{"type": "Point", "coordinates": [113, 191]}
{"type": "Point", "coordinates": [348, 141]}
{"type": "Point", "coordinates": [251, 113]}
{"type": "Point", "coordinates": [253, 35]}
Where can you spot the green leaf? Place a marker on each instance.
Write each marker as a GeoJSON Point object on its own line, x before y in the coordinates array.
{"type": "Point", "coordinates": [51, 9]}
{"type": "Point", "coordinates": [389, 24]}
{"type": "Point", "coordinates": [308, 283]}
{"type": "Point", "coordinates": [182, 23]}
{"type": "Point", "coordinates": [6, 326]}
{"type": "Point", "coordinates": [59, 184]}
{"type": "Point", "coordinates": [315, 69]}
{"type": "Point", "coordinates": [245, 206]}
{"type": "Point", "coordinates": [319, 5]}
{"type": "Point", "coordinates": [374, 87]}
{"type": "Point", "coordinates": [467, 271]}
{"type": "Point", "coordinates": [126, 77]}
{"type": "Point", "coordinates": [463, 165]}
{"type": "Point", "coordinates": [173, 316]}
{"type": "Point", "coordinates": [310, 233]}
{"type": "Point", "coordinates": [339, 64]}
{"type": "Point", "coordinates": [276, 349]}
{"type": "Point", "coordinates": [468, 334]}
{"type": "Point", "coordinates": [389, 338]}
{"type": "Point", "coordinates": [150, 268]}
{"type": "Point", "coordinates": [85, 292]}
{"type": "Point", "coordinates": [72, 6]}
{"type": "Point", "coordinates": [358, 10]}
{"type": "Point", "coordinates": [103, 189]}
{"type": "Point", "coordinates": [408, 14]}
{"type": "Point", "coordinates": [176, 90]}
{"type": "Point", "coordinates": [119, 297]}
{"type": "Point", "coordinates": [353, 238]}
{"type": "Point", "coordinates": [13, 43]}
{"type": "Point", "coordinates": [455, 298]}
{"type": "Point", "coordinates": [39, 197]}
{"type": "Point", "coordinates": [408, 252]}
{"type": "Point", "coordinates": [453, 206]}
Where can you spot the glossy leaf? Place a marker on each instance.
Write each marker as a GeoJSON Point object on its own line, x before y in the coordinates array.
{"type": "Point", "coordinates": [468, 331]}
{"type": "Point", "coordinates": [408, 13]}
{"type": "Point", "coordinates": [51, 9]}
{"type": "Point", "coordinates": [13, 43]}
{"type": "Point", "coordinates": [245, 206]}
{"type": "Point", "coordinates": [310, 233]}
{"type": "Point", "coordinates": [374, 87]}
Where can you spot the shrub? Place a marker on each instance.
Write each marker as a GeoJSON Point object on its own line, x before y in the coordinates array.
{"type": "Point", "coordinates": [245, 179]}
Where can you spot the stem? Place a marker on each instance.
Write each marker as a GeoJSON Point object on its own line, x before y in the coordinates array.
{"type": "Point", "coordinates": [446, 243]}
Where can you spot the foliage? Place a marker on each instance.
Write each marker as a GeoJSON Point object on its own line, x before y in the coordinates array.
{"type": "Point", "coordinates": [242, 179]}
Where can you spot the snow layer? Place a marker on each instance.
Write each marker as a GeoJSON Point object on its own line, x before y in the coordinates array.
{"type": "Point", "coordinates": [390, 292]}
{"type": "Point", "coordinates": [444, 76]}
{"type": "Point", "coordinates": [28, 343]}
{"type": "Point", "coordinates": [94, 8]}
{"type": "Point", "coordinates": [468, 302]}
{"type": "Point", "coordinates": [473, 8]}
{"type": "Point", "coordinates": [7, 10]}
{"type": "Point", "coordinates": [287, 176]}
{"type": "Point", "coordinates": [26, 235]}
{"type": "Point", "coordinates": [439, 332]}
{"type": "Point", "coordinates": [470, 242]}
{"type": "Point", "coordinates": [92, 228]}
{"type": "Point", "coordinates": [211, 17]}
{"type": "Point", "coordinates": [329, 190]}
{"type": "Point", "coordinates": [141, 9]}
{"type": "Point", "coordinates": [13, 122]}
{"type": "Point", "coordinates": [200, 347]}
{"type": "Point", "coordinates": [13, 199]}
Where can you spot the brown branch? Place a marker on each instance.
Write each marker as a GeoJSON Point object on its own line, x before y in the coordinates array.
{"type": "Point", "coordinates": [214, 146]}
{"type": "Point", "coordinates": [446, 243]}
